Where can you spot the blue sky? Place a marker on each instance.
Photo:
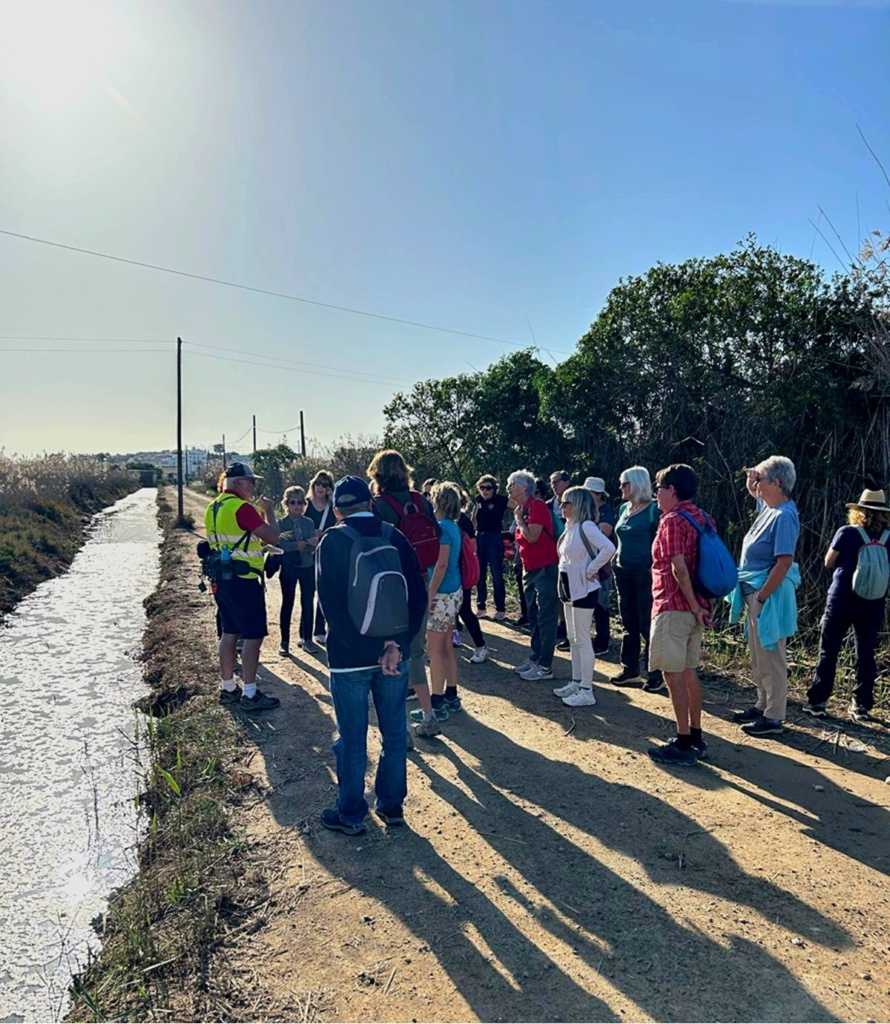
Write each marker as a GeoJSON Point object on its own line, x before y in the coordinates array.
{"type": "Point", "coordinates": [481, 166]}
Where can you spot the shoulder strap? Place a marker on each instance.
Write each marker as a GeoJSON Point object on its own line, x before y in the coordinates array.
{"type": "Point", "coordinates": [691, 519]}
{"type": "Point", "coordinates": [324, 517]}
{"type": "Point", "coordinates": [587, 543]}
{"type": "Point", "coordinates": [885, 536]}
{"type": "Point", "coordinates": [863, 534]}
{"type": "Point", "coordinates": [393, 504]}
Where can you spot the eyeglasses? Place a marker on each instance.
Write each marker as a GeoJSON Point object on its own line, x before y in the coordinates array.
{"type": "Point", "coordinates": [624, 483]}
{"type": "Point", "coordinates": [563, 504]}
{"type": "Point", "coordinates": [662, 487]}
{"type": "Point", "coordinates": [295, 501]}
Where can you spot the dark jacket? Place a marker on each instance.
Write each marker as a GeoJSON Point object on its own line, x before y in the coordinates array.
{"type": "Point", "coordinates": [346, 647]}
{"type": "Point", "coordinates": [302, 529]}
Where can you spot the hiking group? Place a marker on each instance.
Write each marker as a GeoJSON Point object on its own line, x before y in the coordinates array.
{"type": "Point", "coordinates": [387, 575]}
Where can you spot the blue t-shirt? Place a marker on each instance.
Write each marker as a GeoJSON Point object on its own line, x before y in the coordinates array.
{"type": "Point", "coordinates": [451, 536]}
{"type": "Point", "coordinates": [773, 533]}
{"type": "Point", "coordinates": [847, 542]}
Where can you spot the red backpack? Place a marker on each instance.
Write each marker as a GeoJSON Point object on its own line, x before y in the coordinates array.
{"type": "Point", "coordinates": [469, 562]}
{"type": "Point", "coordinates": [420, 529]}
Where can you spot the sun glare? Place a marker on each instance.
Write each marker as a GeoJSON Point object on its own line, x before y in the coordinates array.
{"type": "Point", "coordinates": [54, 51]}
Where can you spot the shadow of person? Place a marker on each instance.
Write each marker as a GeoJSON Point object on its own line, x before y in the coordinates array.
{"type": "Point", "coordinates": [615, 927]}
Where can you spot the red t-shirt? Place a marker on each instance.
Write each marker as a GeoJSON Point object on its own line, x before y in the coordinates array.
{"type": "Point", "coordinates": [675, 536]}
{"type": "Point", "coordinates": [543, 551]}
{"type": "Point", "coordinates": [247, 517]}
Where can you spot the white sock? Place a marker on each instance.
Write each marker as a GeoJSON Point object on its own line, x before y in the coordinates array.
{"type": "Point", "coordinates": [249, 690]}
{"type": "Point", "coordinates": [428, 716]}
{"type": "Point", "coordinates": [228, 685]}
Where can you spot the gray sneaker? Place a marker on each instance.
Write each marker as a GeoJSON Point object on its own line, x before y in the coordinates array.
{"type": "Point", "coordinates": [525, 666]}
{"type": "Point", "coordinates": [427, 728]}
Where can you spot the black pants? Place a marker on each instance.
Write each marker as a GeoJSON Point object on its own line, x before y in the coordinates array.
{"type": "Point", "coordinates": [517, 575]}
{"type": "Point", "coordinates": [866, 618]}
{"type": "Point", "coordinates": [289, 579]}
{"type": "Point", "coordinates": [469, 619]}
{"type": "Point", "coordinates": [635, 609]}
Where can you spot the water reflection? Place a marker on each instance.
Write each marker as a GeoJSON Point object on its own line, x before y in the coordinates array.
{"type": "Point", "coordinates": [67, 775]}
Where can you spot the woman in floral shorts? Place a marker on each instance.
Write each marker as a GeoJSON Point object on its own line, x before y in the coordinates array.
{"type": "Point", "coordinates": [445, 599]}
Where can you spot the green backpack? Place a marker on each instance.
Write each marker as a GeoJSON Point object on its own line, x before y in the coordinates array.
{"type": "Point", "coordinates": [872, 575]}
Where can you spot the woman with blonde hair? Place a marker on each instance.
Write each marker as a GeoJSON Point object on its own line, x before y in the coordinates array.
{"type": "Point", "coordinates": [297, 539]}
{"type": "Point", "coordinates": [868, 525]}
{"type": "Point", "coordinates": [583, 550]}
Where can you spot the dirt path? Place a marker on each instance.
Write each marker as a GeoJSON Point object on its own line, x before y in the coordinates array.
{"type": "Point", "coordinates": [549, 871]}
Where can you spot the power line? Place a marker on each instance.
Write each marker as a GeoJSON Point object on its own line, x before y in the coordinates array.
{"type": "Point", "coordinates": [77, 351]}
{"type": "Point", "coordinates": [294, 362]}
{"type": "Point", "coordinates": [130, 341]}
{"type": "Point", "coordinates": [263, 291]}
{"type": "Point", "coordinates": [345, 375]}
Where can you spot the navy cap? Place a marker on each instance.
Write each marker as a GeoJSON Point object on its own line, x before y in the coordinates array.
{"type": "Point", "coordinates": [239, 471]}
{"type": "Point", "coordinates": [351, 491]}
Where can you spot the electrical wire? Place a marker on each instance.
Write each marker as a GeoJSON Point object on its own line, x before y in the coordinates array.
{"type": "Point", "coordinates": [130, 341]}
{"type": "Point", "coordinates": [345, 375]}
{"type": "Point", "coordinates": [262, 291]}
{"type": "Point", "coordinates": [127, 351]}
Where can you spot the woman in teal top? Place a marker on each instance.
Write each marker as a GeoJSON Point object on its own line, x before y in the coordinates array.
{"type": "Point", "coordinates": [634, 533]}
{"type": "Point", "coordinates": [446, 595]}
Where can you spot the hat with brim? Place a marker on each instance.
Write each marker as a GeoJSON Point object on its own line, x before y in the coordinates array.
{"type": "Point", "coordinates": [597, 484]}
{"type": "Point", "coordinates": [238, 471]}
{"type": "Point", "coordinates": [350, 492]}
{"type": "Point", "coordinates": [874, 500]}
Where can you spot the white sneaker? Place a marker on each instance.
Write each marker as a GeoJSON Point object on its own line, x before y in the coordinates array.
{"type": "Point", "coordinates": [525, 666]}
{"type": "Point", "coordinates": [537, 673]}
{"type": "Point", "coordinates": [566, 691]}
{"type": "Point", "coordinates": [582, 698]}
{"type": "Point", "coordinates": [320, 638]}
{"type": "Point", "coordinates": [499, 616]}
{"type": "Point", "coordinates": [479, 655]}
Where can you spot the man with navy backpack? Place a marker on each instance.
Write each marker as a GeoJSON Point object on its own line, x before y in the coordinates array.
{"type": "Point", "coordinates": [373, 598]}
{"type": "Point", "coordinates": [679, 614]}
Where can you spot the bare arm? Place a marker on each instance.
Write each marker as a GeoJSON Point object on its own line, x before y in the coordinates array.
{"type": "Point", "coordinates": [831, 557]}
{"type": "Point", "coordinates": [684, 581]}
{"type": "Point", "coordinates": [778, 572]}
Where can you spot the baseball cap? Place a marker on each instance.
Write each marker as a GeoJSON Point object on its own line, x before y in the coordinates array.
{"type": "Point", "coordinates": [238, 471]}
{"type": "Point", "coordinates": [351, 491]}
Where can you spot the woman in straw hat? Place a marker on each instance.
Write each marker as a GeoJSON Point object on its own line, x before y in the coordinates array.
{"type": "Point", "coordinates": [869, 523]}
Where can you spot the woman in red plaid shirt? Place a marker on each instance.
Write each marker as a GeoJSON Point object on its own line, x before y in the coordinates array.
{"type": "Point", "coordinates": [679, 615]}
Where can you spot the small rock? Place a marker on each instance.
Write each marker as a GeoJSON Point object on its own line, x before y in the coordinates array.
{"type": "Point", "coordinates": [819, 789]}
{"type": "Point", "coordinates": [866, 976]}
{"type": "Point", "coordinates": [797, 942]}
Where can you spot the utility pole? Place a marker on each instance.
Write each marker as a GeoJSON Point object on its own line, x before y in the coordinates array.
{"type": "Point", "coordinates": [185, 455]}
{"type": "Point", "coordinates": [302, 436]}
{"type": "Point", "coordinates": [254, 435]}
{"type": "Point", "coordinates": [224, 452]}
{"type": "Point", "coordinates": [181, 514]}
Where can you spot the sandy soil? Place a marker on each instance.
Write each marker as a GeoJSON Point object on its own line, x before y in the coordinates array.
{"type": "Point", "coordinates": [550, 871]}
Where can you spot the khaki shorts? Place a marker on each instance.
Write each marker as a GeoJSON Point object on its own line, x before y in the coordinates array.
{"type": "Point", "coordinates": [443, 611]}
{"type": "Point", "coordinates": [674, 642]}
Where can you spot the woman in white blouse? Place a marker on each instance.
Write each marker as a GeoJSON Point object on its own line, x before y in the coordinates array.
{"type": "Point", "coordinates": [583, 551]}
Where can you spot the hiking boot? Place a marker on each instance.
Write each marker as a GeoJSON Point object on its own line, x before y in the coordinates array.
{"type": "Point", "coordinates": [258, 702]}
{"type": "Point", "coordinates": [453, 704]}
{"type": "Point", "coordinates": [670, 753]}
{"type": "Point", "coordinates": [763, 726]}
{"type": "Point", "coordinates": [566, 691]}
{"type": "Point", "coordinates": [626, 676]}
{"type": "Point", "coordinates": [813, 710]}
{"type": "Point", "coordinates": [701, 748]}
{"type": "Point", "coordinates": [283, 651]}
{"type": "Point", "coordinates": [332, 820]}
{"type": "Point", "coordinates": [499, 616]}
{"type": "Point", "coordinates": [440, 714]}
{"type": "Point", "coordinates": [751, 715]}
{"type": "Point", "coordinates": [581, 698]}
{"type": "Point", "coordinates": [525, 666]}
{"type": "Point", "coordinates": [391, 817]}
{"type": "Point", "coordinates": [427, 728]}
{"type": "Point", "coordinates": [564, 645]}
{"type": "Point", "coordinates": [537, 673]}
{"type": "Point", "coordinates": [479, 655]}
{"type": "Point", "coordinates": [860, 714]}
{"type": "Point", "coordinates": [654, 682]}
{"type": "Point", "coordinates": [229, 696]}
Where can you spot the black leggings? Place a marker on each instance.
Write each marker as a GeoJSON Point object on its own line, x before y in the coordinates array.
{"type": "Point", "coordinates": [468, 617]}
{"type": "Point", "coordinates": [289, 578]}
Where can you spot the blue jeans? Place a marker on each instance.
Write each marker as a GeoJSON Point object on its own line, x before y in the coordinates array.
{"type": "Point", "coordinates": [543, 611]}
{"type": "Point", "coordinates": [490, 549]}
{"type": "Point", "coordinates": [349, 691]}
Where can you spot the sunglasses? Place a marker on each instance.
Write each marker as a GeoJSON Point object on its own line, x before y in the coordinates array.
{"type": "Point", "coordinates": [486, 487]}
{"type": "Point", "coordinates": [295, 501]}
{"type": "Point", "coordinates": [563, 504]}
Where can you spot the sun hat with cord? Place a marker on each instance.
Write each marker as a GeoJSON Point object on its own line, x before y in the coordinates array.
{"type": "Point", "coordinates": [597, 485]}
{"type": "Point", "coordinates": [874, 500]}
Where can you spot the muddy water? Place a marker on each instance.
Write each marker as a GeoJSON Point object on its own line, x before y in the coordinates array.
{"type": "Point", "coordinates": [68, 755]}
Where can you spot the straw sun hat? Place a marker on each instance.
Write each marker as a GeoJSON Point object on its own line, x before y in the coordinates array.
{"type": "Point", "coordinates": [875, 500]}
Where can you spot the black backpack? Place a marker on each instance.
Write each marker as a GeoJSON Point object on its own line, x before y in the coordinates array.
{"type": "Point", "coordinates": [377, 592]}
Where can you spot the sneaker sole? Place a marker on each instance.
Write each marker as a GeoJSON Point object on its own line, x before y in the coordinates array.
{"type": "Point", "coordinates": [763, 732]}
{"type": "Point", "coordinates": [347, 830]}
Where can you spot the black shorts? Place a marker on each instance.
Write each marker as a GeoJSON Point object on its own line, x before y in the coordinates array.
{"type": "Point", "coordinates": [242, 608]}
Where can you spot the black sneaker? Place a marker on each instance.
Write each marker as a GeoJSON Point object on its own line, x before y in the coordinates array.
{"type": "Point", "coordinates": [814, 710]}
{"type": "Point", "coordinates": [670, 753]}
{"type": "Point", "coordinates": [229, 696]}
{"type": "Point", "coordinates": [751, 715]}
{"type": "Point", "coordinates": [332, 820]}
{"type": "Point", "coordinates": [701, 748]}
{"type": "Point", "coordinates": [600, 651]}
{"type": "Point", "coordinates": [564, 645]}
{"type": "Point", "coordinates": [259, 702]}
{"type": "Point", "coordinates": [453, 704]}
{"type": "Point", "coordinates": [654, 682]}
{"type": "Point", "coordinates": [626, 676]}
{"type": "Point", "coordinates": [283, 651]}
{"type": "Point", "coordinates": [763, 726]}
{"type": "Point", "coordinates": [859, 714]}
{"type": "Point", "coordinates": [521, 621]}
{"type": "Point", "coordinates": [393, 817]}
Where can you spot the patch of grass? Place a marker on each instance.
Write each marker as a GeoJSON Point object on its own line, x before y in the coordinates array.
{"type": "Point", "coordinates": [195, 882]}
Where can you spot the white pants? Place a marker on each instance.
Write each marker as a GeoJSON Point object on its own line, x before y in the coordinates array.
{"type": "Point", "coordinates": [578, 622]}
